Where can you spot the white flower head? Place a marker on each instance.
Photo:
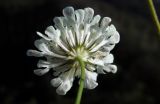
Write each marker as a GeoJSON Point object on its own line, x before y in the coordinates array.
{"type": "Point", "coordinates": [77, 33]}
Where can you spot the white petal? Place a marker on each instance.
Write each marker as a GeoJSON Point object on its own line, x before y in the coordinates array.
{"type": "Point", "coordinates": [79, 16]}
{"type": "Point", "coordinates": [62, 68]}
{"type": "Point", "coordinates": [40, 45]}
{"type": "Point", "coordinates": [45, 49]}
{"type": "Point", "coordinates": [110, 68]}
{"type": "Point", "coordinates": [69, 19]}
{"type": "Point", "coordinates": [89, 12]}
{"type": "Point", "coordinates": [113, 34]}
{"type": "Point", "coordinates": [92, 39]}
{"type": "Point", "coordinates": [86, 34]}
{"type": "Point", "coordinates": [56, 82]}
{"type": "Point", "coordinates": [95, 20]}
{"type": "Point", "coordinates": [99, 54]}
{"type": "Point", "coordinates": [64, 87]}
{"type": "Point", "coordinates": [107, 68]}
{"type": "Point", "coordinates": [57, 34]}
{"type": "Point", "coordinates": [41, 72]}
{"type": "Point", "coordinates": [107, 47]}
{"type": "Point", "coordinates": [105, 21]}
{"type": "Point", "coordinates": [71, 37]}
{"type": "Point", "coordinates": [52, 33]}
{"type": "Point", "coordinates": [68, 12]}
{"type": "Point", "coordinates": [99, 46]}
{"type": "Point", "coordinates": [77, 35]}
{"type": "Point", "coordinates": [114, 38]}
{"type": "Point", "coordinates": [42, 63]}
{"type": "Point", "coordinates": [67, 81]}
{"type": "Point", "coordinates": [58, 22]}
{"type": "Point", "coordinates": [56, 49]}
{"type": "Point", "coordinates": [100, 70]}
{"type": "Point", "coordinates": [96, 61]}
{"type": "Point", "coordinates": [108, 59]}
{"type": "Point", "coordinates": [111, 28]}
{"type": "Point", "coordinates": [43, 36]}
{"type": "Point", "coordinates": [49, 64]}
{"type": "Point", "coordinates": [90, 67]}
{"type": "Point", "coordinates": [34, 53]}
{"type": "Point", "coordinates": [63, 46]}
{"type": "Point", "coordinates": [90, 80]}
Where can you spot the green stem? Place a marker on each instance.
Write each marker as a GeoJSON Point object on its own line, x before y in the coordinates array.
{"type": "Point", "coordinates": [154, 15]}
{"type": "Point", "coordinates": [81, 86]}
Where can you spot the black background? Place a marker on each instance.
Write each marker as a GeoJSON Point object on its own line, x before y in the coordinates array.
{"type": "Point", "coordinates": [137, 55]}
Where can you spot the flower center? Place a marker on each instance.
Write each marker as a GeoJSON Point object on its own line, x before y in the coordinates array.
{"type": "Point", "coordinates": [80, 52]}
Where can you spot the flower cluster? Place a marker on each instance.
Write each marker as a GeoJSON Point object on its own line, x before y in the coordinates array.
{"type": "Point", "coordinates": [77, 33]}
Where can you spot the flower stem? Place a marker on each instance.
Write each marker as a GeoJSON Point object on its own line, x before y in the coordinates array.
{"type": "Point", "coordinates": [154, 15]}
{"type": "Point", "coordinates": [81, 86]}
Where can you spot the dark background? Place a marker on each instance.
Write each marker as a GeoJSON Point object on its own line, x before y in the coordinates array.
{"type": "Point", "coordinates": [137, 55]}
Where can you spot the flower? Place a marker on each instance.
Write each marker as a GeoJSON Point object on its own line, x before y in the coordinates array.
{"type": "Point", "coordinates": [78, 33]}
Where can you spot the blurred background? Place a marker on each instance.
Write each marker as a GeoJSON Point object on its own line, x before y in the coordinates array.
{"type": "Point", "coordinates": [137, 55]}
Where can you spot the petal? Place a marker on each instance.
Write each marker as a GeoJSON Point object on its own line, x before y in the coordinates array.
{"type": "Point", "coordinates": [105, 21]}
{"type": "Point", "coordinates": [43, 36]}
{"type": "Point", "coordinates": [113, 35]}
{"type": "Point", "coordinates": [56, 49]}
{"type": "Point", "coordinates": [67, 81]}
{"type": "Point", "coordinates": [89, 12]}
{"type": "Point", "coordinates": [64, 87]}
{"type": "Point", "coordinates": [114, 38]}
{"type": "Point", "coordinates": [40, 44]}
{"type": "Point", "coordinates": [79, 16]}
{"type": "Point", "coordinates": [56, 82]}
{"type": "Point", "coordinates": [44, 64]}
{"type": "Point", "coordinates": [41, 72]}
{"type": "Point", "coordinates": [68, 12]}
{"type": "Point", "coordinates": [71, 37]}
{"type": "Point", "coordinates": [102, 43]}
{"type": "Point", "coordinates": [34, 53]}
{"type": "Point", "coordinates": [58, 22]}
{"type": "Point", "coordinates": [57, 34]}
{"type": "Point", "coordinates": [110, 68]}
{"type": "Point", "coordinates": [96, 62]}
{"type": "Point", "coordinates": [99, 54]}
{"type": "Point", "coordinates": [111, 28]}
{"type": "Point", "coordinates": [52, 33]}
{"type": "Point", "coordinates": [63, 46]}
{"type": "Point", "coordinates": [49, 64]}
{"type": "Point", "coordinates": [44, 47]}
{"type": "Point", "coordinates": [85, 35]}
{"type": "Point", "coordinates": [107, 68]}
{"type": "Point", "coordinates": [90, 80]}
{"type": "Point", "coordinates": [108, 47]}
{"type": "Point", "coordinates": [100, 70]}
{"type": "Point", "coordinates": [62, 68]}
{"type": "Point", "coordinates": [90, 67]}
{"type": "Point", "coordinates": [95, 20]}
{"type": "Point", "coordinates": [108, 59]}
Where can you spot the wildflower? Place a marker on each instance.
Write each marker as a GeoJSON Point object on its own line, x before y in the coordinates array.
{"type": "Point", "coordinates": [78, 33]}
